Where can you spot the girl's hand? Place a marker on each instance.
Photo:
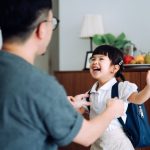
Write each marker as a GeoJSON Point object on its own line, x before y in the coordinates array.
{"type": "Point", "coordinates": [79, 100]}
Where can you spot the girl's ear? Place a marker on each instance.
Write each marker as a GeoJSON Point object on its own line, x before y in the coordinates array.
{"type": "Point", "coordinates": [115, 69]}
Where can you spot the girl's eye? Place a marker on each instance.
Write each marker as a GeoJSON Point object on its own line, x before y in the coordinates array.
{"type": "Point", "coordinates": [101, 59]}
{"type": "Point", "coordinates": [92, 59]}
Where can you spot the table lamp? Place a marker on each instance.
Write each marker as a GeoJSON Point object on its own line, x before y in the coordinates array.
{"type": "Point", "coordinates": [92, 24]}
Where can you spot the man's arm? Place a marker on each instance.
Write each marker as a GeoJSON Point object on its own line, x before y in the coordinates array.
{"type": "Point", "coordinates": [92, 129]}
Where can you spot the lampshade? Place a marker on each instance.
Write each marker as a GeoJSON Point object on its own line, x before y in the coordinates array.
{"type": "Point", "coordinates": [92, 24]}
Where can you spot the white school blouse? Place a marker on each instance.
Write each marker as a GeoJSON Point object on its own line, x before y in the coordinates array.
{"type": "Point", "coordinates": [100, 97]}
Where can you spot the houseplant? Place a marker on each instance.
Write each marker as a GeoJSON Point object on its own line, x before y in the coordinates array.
{"type": "Point", "coordinates": [119, 41]}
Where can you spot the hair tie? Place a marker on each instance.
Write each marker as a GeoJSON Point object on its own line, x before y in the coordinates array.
{"type": "Point", "coordinates": [121, 62]}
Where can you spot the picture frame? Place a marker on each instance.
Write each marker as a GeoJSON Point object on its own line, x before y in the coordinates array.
{"type": "Point", "coordinates": [87, 58]}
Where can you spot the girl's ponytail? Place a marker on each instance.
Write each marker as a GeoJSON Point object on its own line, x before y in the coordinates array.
{"type": "Point", "coordinates": [120, 75]}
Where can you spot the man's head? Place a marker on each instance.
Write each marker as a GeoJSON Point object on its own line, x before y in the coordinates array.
{"type": "Point", "coordinates": [19, 18]}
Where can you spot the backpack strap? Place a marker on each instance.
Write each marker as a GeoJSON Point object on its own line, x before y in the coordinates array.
{"type": "Point", "coordinates": [88, 99]}
{"type": "Point", "coordinates": [115, 93]}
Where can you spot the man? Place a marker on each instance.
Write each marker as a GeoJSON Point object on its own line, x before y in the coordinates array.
{"type": "Point", "coordinates": [34, 111]}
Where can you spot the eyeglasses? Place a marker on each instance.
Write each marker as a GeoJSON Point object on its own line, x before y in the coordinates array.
{"type": "Point", "coordinates": [54, 21]}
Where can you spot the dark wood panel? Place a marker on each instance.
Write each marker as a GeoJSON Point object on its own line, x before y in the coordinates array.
{"type": "Point", "coordinates": [75, 82]}
{"type": "Point", "coordinates": [66, 79]}
{"type": "Point", "coordinates": [134, 77]}
{"type": "Point", "coordinates": [82, 82]}
{"type": "Point", "coordinates": [74, 146]}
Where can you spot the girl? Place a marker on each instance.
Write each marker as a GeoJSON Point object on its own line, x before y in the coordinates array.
{"type": "Point", "coordinates": [106, 64]}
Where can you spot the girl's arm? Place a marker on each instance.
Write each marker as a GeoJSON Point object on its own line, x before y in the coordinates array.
{"type": "Point", "coordinates": [143, 95]}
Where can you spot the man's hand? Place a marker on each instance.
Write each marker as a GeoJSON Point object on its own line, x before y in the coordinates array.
{"type": "Point", "coordinates": [116, 106]}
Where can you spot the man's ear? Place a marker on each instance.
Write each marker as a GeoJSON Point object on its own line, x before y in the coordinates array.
{"type": "Point", "coordinates": [41, 30]}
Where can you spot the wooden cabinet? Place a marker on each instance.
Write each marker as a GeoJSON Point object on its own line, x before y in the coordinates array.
{"type": "Point", "coordinates": [76, 82]}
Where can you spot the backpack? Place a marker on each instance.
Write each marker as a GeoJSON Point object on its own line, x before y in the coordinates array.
{"type": "Point", "coordinates": [137, 126]}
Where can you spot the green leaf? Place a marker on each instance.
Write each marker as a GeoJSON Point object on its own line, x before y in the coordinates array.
{"type": "Point", "coordinates": [99, 39]}
{"type": "Point", "coordinates": [121, 43]}
{"type": "Point", "coordinates": [110, 38]}
{"type": "Point", "coordinates": [121, 36]}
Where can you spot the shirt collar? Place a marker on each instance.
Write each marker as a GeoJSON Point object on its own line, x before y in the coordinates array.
{"type": "Point", "coordinates": [106, 86]}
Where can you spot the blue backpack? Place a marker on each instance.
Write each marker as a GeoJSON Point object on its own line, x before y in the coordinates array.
{"type": "Point", "coordinates": [137, 126]}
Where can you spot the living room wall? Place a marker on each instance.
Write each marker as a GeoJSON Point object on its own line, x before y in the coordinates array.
{"type": "Point", "coordinates": [130, 17]}
{"type": "Point", "coordinates": [67, 50]}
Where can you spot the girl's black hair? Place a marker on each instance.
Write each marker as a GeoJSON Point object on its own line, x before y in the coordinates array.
{"type": "Point", "coordinates": [114, 54]}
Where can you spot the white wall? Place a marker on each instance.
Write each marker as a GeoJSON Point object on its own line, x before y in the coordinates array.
{"type": "Point", "coordinates": [128, 16]}
{"type": "Point", "coordinates": [50, 61]}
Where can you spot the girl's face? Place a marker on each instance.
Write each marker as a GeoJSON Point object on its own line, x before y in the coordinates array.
{"type": "Point", "coordinates": [101, 68]}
